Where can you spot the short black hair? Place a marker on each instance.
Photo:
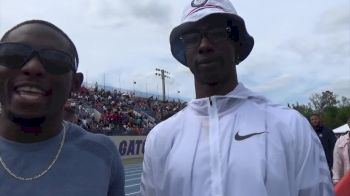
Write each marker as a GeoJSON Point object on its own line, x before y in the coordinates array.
{"type": "Point", "coordinates": [50, 25]}
{"type": "Point", "coordinates": [315, 114]}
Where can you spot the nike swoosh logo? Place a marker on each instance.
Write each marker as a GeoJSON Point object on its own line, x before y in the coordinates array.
{"type": "Point", "coordinates": [243, 137]}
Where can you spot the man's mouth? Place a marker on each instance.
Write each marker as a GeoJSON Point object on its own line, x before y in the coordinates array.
{"type": "Point", "coordinates": [208, 61]}
{"type": "Point", "coordinates": [29, 92]}
{"type": "Point", "coordinates": [208, 64]}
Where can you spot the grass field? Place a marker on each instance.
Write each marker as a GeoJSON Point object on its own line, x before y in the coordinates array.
{"type": "Point", "coordinates": [132, 170]}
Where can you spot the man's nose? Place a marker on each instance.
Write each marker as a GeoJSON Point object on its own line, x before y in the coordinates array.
{"type": "Point", "coordinates": [33, 67]}
{"type": "Point", "coordinates": [205, 45]}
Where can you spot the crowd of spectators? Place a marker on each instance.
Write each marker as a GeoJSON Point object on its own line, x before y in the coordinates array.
{"type": "Point", "coordinates": [118, 113]}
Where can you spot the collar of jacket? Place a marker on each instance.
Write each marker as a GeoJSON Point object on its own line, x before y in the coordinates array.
{"type": "Point", "coordinates": [343, 140]}
{"type": "Point", "coordinates": [224, 102]}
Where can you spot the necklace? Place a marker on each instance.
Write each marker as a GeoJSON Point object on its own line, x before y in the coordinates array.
{"type": "Point", "coordinates": [43, 172]}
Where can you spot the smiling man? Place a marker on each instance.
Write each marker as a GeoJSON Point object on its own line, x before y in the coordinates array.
{"type": "Point", "coordinates": [229, 140]}
{"type": "Point", "coordinates": [41, 154]}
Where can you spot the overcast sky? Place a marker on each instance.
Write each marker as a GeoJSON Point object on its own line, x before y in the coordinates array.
{"type": "Point", "coordinates": [301, 46]}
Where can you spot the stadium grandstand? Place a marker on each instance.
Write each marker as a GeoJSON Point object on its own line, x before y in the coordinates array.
{"type": "Point", "coordinates": [113, 112]}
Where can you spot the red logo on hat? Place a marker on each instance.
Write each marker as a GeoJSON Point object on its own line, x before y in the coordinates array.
{"type": "Point", "coordinates": [198, 3]}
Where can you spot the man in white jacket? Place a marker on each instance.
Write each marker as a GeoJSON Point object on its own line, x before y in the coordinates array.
{"type": "Point", "coordinates": [229, 141]}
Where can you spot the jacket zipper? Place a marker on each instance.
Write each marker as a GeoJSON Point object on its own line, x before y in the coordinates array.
{"type": "Point", "coordinates": [214, 146]}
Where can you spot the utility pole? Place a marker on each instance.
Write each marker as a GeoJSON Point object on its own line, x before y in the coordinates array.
{"type": "Point", "coordinates": [104, 81]}
{"type": "Point", "coordinates": [163, 74]}
{"type": "Point", "coordinates": [120, 88]}
{"type": "Point", "coordinates": [134, 82]}
{"type": "Point", "coordinates": [86, 79]}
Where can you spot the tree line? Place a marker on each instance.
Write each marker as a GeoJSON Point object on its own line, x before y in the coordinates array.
{"type": "Point", "coordinates": [334, 110]}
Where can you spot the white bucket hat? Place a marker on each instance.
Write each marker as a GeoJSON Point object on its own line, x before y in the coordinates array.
{"type": "Point", "coordinates": [199, 9]}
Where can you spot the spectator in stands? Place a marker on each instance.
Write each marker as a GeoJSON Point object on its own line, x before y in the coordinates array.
{"type": "Point", "coordinates": [326, 136]}
{"type": "Point", "coordinates": [341, 156]}
{"type": "Point", "coordinates": [41, 154]}
{"type": "Point", "coordinates": [121, 111]}
{"type": "Point", "coordinates": [230, 140]}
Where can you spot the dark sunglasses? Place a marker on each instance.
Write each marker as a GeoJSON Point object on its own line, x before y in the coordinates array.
{"type": "Point", "coordinates": [215, 35]}
{"type": "Point", "coordinates": [16, 55]}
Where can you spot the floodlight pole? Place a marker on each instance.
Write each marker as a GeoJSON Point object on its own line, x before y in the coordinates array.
{"type": "Point", "coordinates": [163, 74]}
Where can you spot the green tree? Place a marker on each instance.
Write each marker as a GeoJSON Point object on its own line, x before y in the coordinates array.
{"type": "Point", "coordinates": [344, 102]}
{"type": "Point", "coordinates": [305, 110]}
{"type": "Point", "coordinates": [320, 101]}
{"type": "Point", "coordinates": [334, 112]}
{"type": "Point", "coordinates": [329, 117]}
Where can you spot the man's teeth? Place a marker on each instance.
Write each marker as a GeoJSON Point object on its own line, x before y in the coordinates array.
{"type": "Point", "coordinates": [30, 90]}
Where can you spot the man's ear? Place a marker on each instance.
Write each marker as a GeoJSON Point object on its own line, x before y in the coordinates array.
{"type": "Point", "coordinates": [77, 81]}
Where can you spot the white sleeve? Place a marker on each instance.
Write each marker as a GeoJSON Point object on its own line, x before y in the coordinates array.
{"type": "Point", "coordinates": [147, 182]}
{"type": "Point", "coordinates": [312, 172]}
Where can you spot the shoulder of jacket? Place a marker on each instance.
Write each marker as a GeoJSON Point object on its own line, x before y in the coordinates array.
{"type": "Point", "coordinates": [343, 141]}
{"type": "Point", "coordinates": [278, 112]}
{"type": "Point", "coordinates": [289, 122]}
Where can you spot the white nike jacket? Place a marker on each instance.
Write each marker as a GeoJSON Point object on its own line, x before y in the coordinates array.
{"type": "Point", "coordinates": [235, 145]}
